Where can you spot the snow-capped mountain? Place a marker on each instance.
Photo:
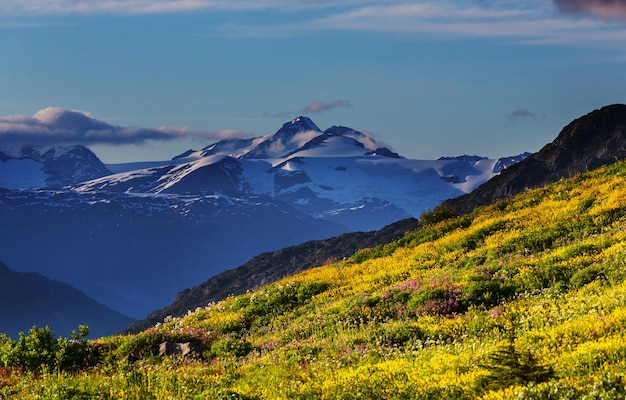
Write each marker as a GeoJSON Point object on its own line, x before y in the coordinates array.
{"type": "Point", "coordinates": [132, 239]}
{"type": "Point", "coordinates": [340, 175]}
{"type": "Point", "coordinates": [53, 167]}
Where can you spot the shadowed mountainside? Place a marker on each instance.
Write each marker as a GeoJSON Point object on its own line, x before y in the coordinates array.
{"type": "Point", "coordinates": [593, 140]}
{"type": "Point", "coordinates": [31, 299]}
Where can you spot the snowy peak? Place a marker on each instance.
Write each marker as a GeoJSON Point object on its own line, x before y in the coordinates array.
{"type": "Point", "coordinates": [505, 162]}
{"type": "Point", "coordinates": [290, 137]}
{"type": "Point", "coordinates": [300, 124]}
{"type": "Point", "coordinates": [50, 166]}
{"type": "Point", "coordinates": [299, 137]}
{"type": "Point", "coordinates": [341, 141]}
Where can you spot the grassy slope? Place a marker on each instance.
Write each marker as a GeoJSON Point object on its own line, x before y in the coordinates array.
{"type": "Point", "coordinates": [523, 298]}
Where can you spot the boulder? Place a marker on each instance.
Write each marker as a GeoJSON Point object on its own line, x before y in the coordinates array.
{"type": "Point", "coordinates": [186, 350]}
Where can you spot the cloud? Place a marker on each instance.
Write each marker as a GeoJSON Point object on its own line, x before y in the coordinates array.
{"type": "Point", "coordinates": [605, 9]}
{"type": "Point", "coordinates": [319, 106]}
{"type": "Point", "coordinates": [301, 138]}
{"type": "Point", "coordinates": [134, 7]}
{"type": "Point", "coordinates": [529, 22]}
{"type": "Point", "coordinates": [367, 138]}
{"type": "Point", "coordinates": [521, 113]}
{"type": "Point", "coordinates": [58, 126]}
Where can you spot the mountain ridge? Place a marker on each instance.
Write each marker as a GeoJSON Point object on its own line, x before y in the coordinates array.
{"type": "Point", "coordinates": [595, 139]}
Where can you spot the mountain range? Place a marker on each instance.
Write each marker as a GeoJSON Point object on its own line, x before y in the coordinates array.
{"type": "Point", "coordinates": [133, 235]}
{"type": "Point", "coordinates": [596, 139]}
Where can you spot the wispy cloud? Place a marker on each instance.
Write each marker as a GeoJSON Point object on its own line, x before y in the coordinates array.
{"type": "Point", "coordinates": [537, 22]}
{"type": "Point", "coordinates": [605, 9]}
{"type": "Point", "coordinates": [529, 22]}
{"type": "Point", "coordinates": [521, 113]}
{"type": "Point", "coordinates": [313, 108]}
{"type": "Point", "coordinates": [132, 7]}
{"type": "Point", "coordinates": [320, 106]}
{"type": "Point", "coordinates": [58, 126]}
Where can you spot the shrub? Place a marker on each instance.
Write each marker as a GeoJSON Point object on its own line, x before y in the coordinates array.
{"type": "Point", "coordinates": [438, 214]}
{"type": "Point", "coordinates": [39, 350]}
{"type": "Point", "coordinates": [507, 367]}
{"type": "Point", "coordinates": [277, 299]}
{"type": "Point", "coordinates": [586, 275]}
{"type": "Point", "coordinates": [398, 335]}
{"type": "Point", "coordinates": [484, 290]}
{"type": "Point", "coordinates": [230, 346]}
{"type": "Point", "coordinates": [439, 297]}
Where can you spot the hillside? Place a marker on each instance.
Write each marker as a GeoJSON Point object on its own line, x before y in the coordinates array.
{"type": "Point", "coordinates": [272, 266]}
{"type": "Point", "coordinates": [525, 298]}
{"type": "Point", "coordinates": [30, 298]}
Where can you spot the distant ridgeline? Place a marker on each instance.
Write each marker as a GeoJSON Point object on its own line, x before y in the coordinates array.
{"type": "Point", "coordinates": [32, 299]}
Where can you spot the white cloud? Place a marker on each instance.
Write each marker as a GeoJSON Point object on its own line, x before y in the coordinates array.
{"type": "Point", "coordinates": [367, 138]}
{"type": "Point", "coordinates": [58, 126]}
{"type": "Point", "coordinates": [301, 138]}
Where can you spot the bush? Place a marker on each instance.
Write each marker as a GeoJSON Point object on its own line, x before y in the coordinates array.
{"type": "Point", "coordinates": [400, 334]}
{"type": "Point", "coordinates": [508, 367]}
{"type": "Point", "coordinates": [438, 214]}
{"type": "Point", "coordinates": [587, 275]}
{"type": "Point", "coordinates": [277, 299]}
{"type": "Point", "coordinates": [39, 350]}
{"type": "Point", "coordinates": [484, 290]}
{"type": "Point", "coordinates": [230, 346]}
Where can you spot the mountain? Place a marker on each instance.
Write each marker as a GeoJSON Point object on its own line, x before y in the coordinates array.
{"type": "Point", "coordinates": [338, 175]}
{"type": "Point", "coordinates": [51, 167]}
{"type": "Point", "coordinates": [600, 142]}
{"type": "Point", "coordinates": [595, 139]}
{"type": "Point", "coordinates": [135, 252]}
{"type": "Point", "coordinates": [32, 299]}
{"type": "Point", "coordinates": [135, 238]}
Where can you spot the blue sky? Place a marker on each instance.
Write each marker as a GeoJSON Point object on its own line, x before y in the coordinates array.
{"type": "Point", "coordinates": [427, 78]}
